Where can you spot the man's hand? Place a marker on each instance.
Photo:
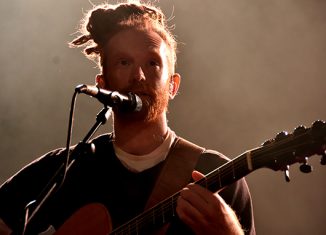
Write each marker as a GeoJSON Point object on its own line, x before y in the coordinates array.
{"type": "Point", "coordinates": [205, 212]}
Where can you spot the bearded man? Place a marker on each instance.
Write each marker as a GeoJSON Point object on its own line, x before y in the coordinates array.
{"type": "Point", "coordinates": [136, 53]}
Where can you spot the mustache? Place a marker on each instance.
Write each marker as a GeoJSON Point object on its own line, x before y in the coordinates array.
{"type": "Point", "coordinates": [140, 89]}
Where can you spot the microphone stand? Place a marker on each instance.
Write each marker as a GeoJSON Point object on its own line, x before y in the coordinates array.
{"type": "Point", "coordinates": [101, 119]}
{"type": "Point", "coordinates": [83, 147]}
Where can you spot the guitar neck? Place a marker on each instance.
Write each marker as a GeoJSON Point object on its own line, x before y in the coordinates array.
{"type": "Point", "coordinates": [164, 212]}
{"type": "Point", "coordinates": [230, 172]}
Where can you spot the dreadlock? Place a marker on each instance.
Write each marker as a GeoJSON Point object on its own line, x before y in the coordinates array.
{"type": "Point", "coordinates": [105, 20]}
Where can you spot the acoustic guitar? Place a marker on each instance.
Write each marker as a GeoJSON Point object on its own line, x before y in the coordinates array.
{"type": "Point", "coordinates": [277, 154]}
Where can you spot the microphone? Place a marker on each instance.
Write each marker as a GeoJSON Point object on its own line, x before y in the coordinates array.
{"type": "Point", "coordinates": [130, 102]}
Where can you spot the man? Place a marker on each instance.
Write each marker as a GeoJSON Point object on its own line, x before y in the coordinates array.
{"type": "Point", "coordinates": [136, 53]}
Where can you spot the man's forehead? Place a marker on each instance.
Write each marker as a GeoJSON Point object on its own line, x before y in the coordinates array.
{"type": "Point", "coordinates": [153, 39]}
{"type": "Point", "coordinates": [131, 37]}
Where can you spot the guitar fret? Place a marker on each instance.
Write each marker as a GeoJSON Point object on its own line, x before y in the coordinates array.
{"type": "Point", "coordinates": [219, 177]}
{"type": "Point", "coordinates": [163, 215]}
{"type": "Point", "coordinates": [153, 216]}
{"type": "Point", "coordinates": [136, 226]}
{"type": "Point", "coordinates": [206, 185]}
{"type": "Point", "coordinates": [172, 207]}
{"type": "Point", "coordinates": [249, 161]}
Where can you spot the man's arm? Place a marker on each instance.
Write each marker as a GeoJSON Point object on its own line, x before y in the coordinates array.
{"type": "Point", "coordinates": [4, 229]}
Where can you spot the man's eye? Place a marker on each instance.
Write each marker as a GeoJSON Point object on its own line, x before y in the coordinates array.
{"type": "Point", "coordinates": [124, 62]}
{"type": "Point", "coordinates": [154, 63]}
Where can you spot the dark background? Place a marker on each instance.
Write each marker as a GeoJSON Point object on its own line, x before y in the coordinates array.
{"type": "Point", "coordinates": [250, 69]}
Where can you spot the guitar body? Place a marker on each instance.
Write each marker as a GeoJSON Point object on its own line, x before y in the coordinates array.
{"type": "Point", "coordinates": [90, 219]}
{"type": "Point", "coordinates": [94, 219]}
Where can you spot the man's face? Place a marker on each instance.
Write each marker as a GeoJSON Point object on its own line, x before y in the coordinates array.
{"type": "Point", "coordinates": [136, 61]}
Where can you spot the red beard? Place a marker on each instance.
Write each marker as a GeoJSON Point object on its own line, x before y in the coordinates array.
{"type": "Point", "coordinates": [154, 103]}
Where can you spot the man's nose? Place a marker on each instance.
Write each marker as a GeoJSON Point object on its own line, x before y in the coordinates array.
{"type": "Point", "coordinates": [139, 74]}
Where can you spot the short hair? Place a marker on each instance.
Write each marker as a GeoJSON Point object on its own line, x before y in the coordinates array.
{"type": "Point", "coordinates": [104, 21]}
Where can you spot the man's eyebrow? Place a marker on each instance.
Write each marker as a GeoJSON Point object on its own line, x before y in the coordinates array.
{"type": "Point", "coordinates": [118, 53]}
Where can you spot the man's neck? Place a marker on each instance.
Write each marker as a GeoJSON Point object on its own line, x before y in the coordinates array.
{"type": "Point", "coordinates": [140, 138]}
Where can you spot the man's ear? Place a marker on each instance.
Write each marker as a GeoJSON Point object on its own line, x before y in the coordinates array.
{"type": "Point", "coordinates": [100, 82]}
{"type": "Point", "coordinates": [175, 80]}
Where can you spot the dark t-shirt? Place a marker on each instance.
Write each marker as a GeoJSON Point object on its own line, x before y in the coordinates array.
{"type": "Point", "coordinates": [101, 178]}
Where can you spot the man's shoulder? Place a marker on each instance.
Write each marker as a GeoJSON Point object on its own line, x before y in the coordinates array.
{"type": "Point", "coordinates": [209, 159]}
{"type": "Point", "coordinates": [103, 138]}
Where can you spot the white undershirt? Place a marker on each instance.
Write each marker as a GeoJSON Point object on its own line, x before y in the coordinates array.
{"type": "Point", "coordinates": [139, 163]}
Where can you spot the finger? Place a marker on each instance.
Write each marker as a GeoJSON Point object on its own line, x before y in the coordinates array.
{"type": "Point", "coordinates": [188, 213]}
{"type": "Point", "coordinates": [196, 175]}
{"type": "Point", "coordinates": [198, 201]}
{"type": "Point", "coordinates": [191, 193]}
{"type": "Point", "coordinates": [207, 203]}
{"type": "Point", "coordinates": [200, 192]}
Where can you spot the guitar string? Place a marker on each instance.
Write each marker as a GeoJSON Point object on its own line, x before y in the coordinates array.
{"type": "Point", "coordinates": [166, 205]}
